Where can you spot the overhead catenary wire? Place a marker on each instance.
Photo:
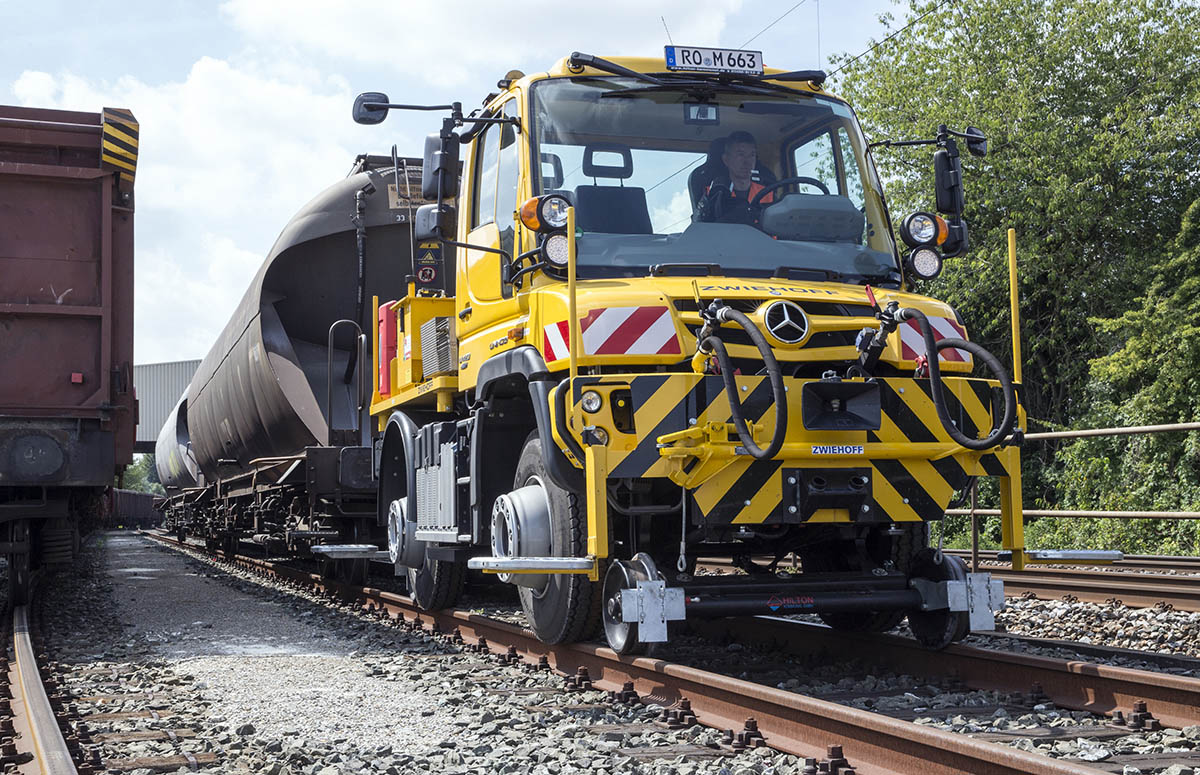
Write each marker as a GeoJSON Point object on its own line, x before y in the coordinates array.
{"type": "Point", "coordinates": [889, 37]}
{"type": "Point", "coordinates": [772, 24]}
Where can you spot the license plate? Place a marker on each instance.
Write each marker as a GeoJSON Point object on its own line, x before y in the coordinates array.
{"type": "Point", "coordinates": [714, 60]}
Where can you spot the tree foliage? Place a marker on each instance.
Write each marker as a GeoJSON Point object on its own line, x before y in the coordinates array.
{"type": "Point", "coordinates": [142, 476]}
{"type": "Point", "coordinates": [1092, 110]}
{"type": "Point", "coordinates": [1151, 377]}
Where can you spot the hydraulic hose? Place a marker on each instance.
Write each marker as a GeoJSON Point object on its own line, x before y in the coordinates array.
{"type": "Point", "coordinates": [999, 433]}
{"type": "Point", "coordinates": [712, 343]}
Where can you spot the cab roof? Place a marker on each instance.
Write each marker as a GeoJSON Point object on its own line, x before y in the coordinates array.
{"type": "Point", "coordinates": [653, 65]}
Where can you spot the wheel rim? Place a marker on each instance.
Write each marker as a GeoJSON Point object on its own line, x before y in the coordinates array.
{"type": "Point", "coordinates": [621, 637]}
{"type": "Point", "coordinates": [538, 591]}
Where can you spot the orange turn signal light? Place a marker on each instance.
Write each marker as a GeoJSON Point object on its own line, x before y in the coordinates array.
{"type": "Point", "coordinates": [529, 213]}
{"type": "Point", "coordinates": [943, 229]}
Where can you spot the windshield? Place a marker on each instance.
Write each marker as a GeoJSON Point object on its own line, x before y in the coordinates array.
{"type": "Point", "coordinates": [744, 179]}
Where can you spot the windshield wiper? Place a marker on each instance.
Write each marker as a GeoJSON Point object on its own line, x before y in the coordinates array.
{"type": "Point", "coordinates": [587, 60]}
{"type": "Point", "coordinates": [700, 89]}
{"type": "Point", "coordinates": [806, 273]}
{"type": "Point", "coordinates": [816, 76]}
{"type": "Point", "coordinates": [685, 269]}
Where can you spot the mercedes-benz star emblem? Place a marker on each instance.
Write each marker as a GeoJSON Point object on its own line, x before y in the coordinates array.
{"type": "Point", "coordinates": [786, 321]}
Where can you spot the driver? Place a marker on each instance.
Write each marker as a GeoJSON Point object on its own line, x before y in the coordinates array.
{"type": "Point", "coordinates": [727, 199]}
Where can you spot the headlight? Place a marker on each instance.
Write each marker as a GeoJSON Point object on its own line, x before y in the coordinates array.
{"type": "Point", "coordinates": [555, 250]}
{"type": "Point", "coordinates": [925, 263]}
{"type": "Point", "coordinates": [600, 435]}
{"type": "Point", "coordinates": [552, 211]}
{"type": "Point", "coordinates": [590, 401]}
{"type": "Point", "coordinates": [923, 229]}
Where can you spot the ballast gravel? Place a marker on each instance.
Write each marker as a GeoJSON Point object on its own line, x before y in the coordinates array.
{"type": "Point", "coordinates": [271, 680]}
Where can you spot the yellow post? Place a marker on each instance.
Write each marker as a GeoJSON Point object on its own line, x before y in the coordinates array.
{"type": "Point", "coordinates": [1012, 520]}
{"type": "Point", "coordinates": [1012, 303]}
{"type": "Point", "coordinates": [572, 316]}
{"type": "Point", "coordinates": [375, 362]}
{"type": "Point", "coordinates": [596, 472]}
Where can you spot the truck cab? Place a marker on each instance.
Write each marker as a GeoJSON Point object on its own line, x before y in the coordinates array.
{"type": "Point", "coordinates": [682, 327]}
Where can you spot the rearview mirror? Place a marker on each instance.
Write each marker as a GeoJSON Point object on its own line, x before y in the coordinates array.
{"type": "Point", "coordinates": [370, 115]}
{"type": "Point", "coordinates": [976, 142]}
{"type": "Point", "coordinates": [432, 222]}
{"type": "Point", "coordinates": [441, 166]}
{"type": "Point", "coordinates": [947, 182]}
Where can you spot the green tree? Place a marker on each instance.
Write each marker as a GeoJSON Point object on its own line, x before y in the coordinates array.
{"type": "Point", "coordinates": [1150, 377]}
{"type": "Point", "coordinates": [1092, 110]}
{"type": "Point", "coordinates": [142, 476]}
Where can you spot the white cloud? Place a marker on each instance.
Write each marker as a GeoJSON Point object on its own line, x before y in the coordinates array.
{"type": "Point", "coordinates": [444, 43]}
{"type": "Point", "coordinates": [226, 157]}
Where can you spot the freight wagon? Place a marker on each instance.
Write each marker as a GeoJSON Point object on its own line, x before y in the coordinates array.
{"type": "Point", "coordinates": [67, 406]}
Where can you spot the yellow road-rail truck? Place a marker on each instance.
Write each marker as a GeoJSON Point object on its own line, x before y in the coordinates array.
{"type": "Point", "coordinates": [678, 325]}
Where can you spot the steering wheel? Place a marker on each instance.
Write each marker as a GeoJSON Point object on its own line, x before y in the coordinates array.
{"type": "Point", "coordinates": [786, 182]}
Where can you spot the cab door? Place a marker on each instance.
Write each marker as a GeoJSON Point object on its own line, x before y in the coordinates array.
{"type": "Point", "coordinates": [489, 220]}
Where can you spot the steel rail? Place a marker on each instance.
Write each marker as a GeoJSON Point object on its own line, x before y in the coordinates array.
{"type": "Point", "coordinates": [1137, 590]}
{"type": "Point", "coordinates": [1073, 684]}
{"type": "Point", "coordinates": [1129, 562]}
{"type": "Point", "coordinates": [49, 747]}
{"type": "Point", "coordinates": [874, 744]}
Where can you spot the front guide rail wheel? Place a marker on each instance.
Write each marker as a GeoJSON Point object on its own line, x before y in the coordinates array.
{"type": "Point", "coordinates": [622, 636]}
{"type": "Point", "coordinates": [938, 629]}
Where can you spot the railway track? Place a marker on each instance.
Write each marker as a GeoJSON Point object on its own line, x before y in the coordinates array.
{"type": "Point", "coordinates": [1137, 581]}
{"type": "Point", "coordinates": [807, 726]}
{"type": "Point", "coordinates": [59, 719]}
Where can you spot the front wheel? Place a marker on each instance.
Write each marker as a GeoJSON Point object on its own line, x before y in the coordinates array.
{"type": "Point", "coordinates": [567, 608]}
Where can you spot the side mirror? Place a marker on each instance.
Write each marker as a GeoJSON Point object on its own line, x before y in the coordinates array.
{"type": "Point", "coordinates": [947, 174]}
{"type": "Point", "coordinates": [976, 142]}
{"type": "Point", "coordinates": [441, 165]}
{"type": "Point", "coordinates": [366, 110]}
{"type": "Point", "coordinates": [432, 222]}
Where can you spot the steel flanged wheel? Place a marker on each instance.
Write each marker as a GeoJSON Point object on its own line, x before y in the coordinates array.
{"type": "Point", "coordinates": [622, 637]}
{"type": "Point", "coordinates": [938, 629]}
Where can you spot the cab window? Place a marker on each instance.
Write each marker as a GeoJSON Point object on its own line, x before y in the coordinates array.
{"type": "Point", "coordinates": [816, 159]}
{"type": "Point", "coordinates": [487, 159]}
{"type": "Point", "coordinates": [506, 178]}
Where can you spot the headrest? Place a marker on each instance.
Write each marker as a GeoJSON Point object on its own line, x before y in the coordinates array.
{"type": "Point", "coordinates": [593, 170]}
{"type": "Point", "coordinates": [552, 177]}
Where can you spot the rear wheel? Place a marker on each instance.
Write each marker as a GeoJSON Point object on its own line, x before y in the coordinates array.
{"type": "Point", "coordinates": [437, 583]}
{"type": "Point", "coordinates": [20, 571]}
{"type": "Point", "coordinates": [567, 608]}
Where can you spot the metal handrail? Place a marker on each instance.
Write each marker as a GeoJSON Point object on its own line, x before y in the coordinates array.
{"type": "Point", "coordinates": [1069, 513]}
{"type": "Point", "coordinates": [1124, 431]}
{"type": "Point", "coordinates": [974, 512]}
{"type": "Point", "coordinates": [358, 370]}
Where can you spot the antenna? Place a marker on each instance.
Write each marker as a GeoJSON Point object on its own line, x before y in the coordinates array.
{"type": "Point", "coordinates": [664, 21]}
{"type": "Point", "coordinates": [820, 61]}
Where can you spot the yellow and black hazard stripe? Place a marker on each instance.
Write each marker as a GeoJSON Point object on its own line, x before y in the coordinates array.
{"type": "Point", "coordinates": [119, 144]}
{"type": "Point", "coordinates": [749, 491]}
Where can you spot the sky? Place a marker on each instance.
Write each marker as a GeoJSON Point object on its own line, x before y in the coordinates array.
{"type": "Point", "coordinates": [244, 105]}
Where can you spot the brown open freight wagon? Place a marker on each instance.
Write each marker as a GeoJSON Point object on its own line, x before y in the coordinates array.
{"type": "Point", "coordinates": [67, 407]}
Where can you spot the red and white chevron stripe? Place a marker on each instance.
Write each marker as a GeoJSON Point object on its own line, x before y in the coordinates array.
{"type": "Point", "coordinates": [912, 343]}
{"type": "Point", "coordinates": [616, 331]}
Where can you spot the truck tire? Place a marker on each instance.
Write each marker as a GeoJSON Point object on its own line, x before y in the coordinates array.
{"type": "Point", "coordinates": [436, 584]}
{"type": "Point", "coordinates": [568, 608]}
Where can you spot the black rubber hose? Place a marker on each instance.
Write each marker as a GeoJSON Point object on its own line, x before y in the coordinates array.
{"type": "Point", "coordinates": [714, 344]}
{"type": "Point", "coordinates": [999, 433]}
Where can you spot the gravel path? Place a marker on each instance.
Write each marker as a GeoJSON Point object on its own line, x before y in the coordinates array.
{"type": "Point", "coordinates": [277, 681]}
